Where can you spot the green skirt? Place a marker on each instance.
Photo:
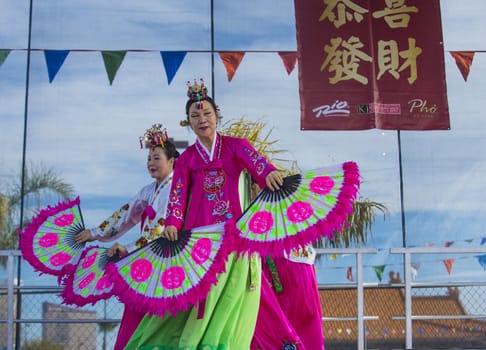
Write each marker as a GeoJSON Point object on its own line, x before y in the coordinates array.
{"type": "Point", "coordinates": [229, 320]}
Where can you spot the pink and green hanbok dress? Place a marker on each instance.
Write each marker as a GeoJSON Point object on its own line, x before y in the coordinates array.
{"type": "Point", "coordinates": [205, 191]}
{"type": "Point", "coordinates": [147, 208]}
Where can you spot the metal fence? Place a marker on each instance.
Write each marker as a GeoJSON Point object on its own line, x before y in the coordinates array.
{"type": "Point", "coordinates": [33, 317]}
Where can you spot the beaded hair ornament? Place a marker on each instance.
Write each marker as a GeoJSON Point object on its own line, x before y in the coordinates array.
{"type": "Point", "coordinates": [155, 136]}
{"type": "Point", "coordinates": [197, 92]}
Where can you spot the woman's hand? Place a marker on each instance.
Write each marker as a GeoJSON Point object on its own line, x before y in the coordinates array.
{"type": "Point", "coordinates": [170, 233]}
{"type": "Point", "coordinates": [84, 236]}
{"type": "Point", "coordinates": [274, 180]}
{"type": "Point", "coordinates": [117, 248]}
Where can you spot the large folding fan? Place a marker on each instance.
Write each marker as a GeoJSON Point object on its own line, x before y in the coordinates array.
{"type": "Point", "coordinates": [88, 282]}
{"type": "Point", "coordinates": [169, 276]}
{"type": "Point", "coordinates": [48, 241]}
{"type": "Point", "coordinates": [308, 206]}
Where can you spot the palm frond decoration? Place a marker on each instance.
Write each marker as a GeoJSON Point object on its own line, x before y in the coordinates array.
{"type": "Point", "coordinates": [39, 182]}
{"type": "Point", "coordinates": [359, 226]}
{"type": "Point", "coordinates": [253, 131]}
{"type": "Point", "coordinates": [360, 223]}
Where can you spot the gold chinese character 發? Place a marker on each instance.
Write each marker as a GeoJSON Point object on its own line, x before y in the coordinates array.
{"type": "Point", "coordinates": [346, 12]}
{"type": "Point", "coordinates": [396, 13]}
{"type": "Point", "coordinates": [389, 59]}
{"type": "Point", "coordinates": [343, 58]}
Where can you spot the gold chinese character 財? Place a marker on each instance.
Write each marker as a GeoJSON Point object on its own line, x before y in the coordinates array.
{"type": "Point", "coordinates": [389, 59]}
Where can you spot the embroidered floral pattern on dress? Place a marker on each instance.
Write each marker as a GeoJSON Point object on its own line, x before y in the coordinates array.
{"type": "Point", "coordinates": [174, 203]}
{"type": "Point", "coordinates": [151, 229]}
{"type": "Point", "coordinates": [108, 227]}
{"type": "Point", "coordinates": [221, 208]}
{"type": "Point", "coordinates": [258, 161]}
{"type": "Point", "coordinates": [214, 180]}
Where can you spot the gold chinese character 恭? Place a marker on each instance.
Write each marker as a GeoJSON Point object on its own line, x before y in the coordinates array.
{"type": "Point", "coordinates": [346, 11]}
{"type": "Point", "coordinates": [343, 58]}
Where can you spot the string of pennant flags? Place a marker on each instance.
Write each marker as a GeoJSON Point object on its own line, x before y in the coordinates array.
{"type": "Point", "coordinates": [172, 60]}
{"type": "Point", "coordinates": [415, 266]}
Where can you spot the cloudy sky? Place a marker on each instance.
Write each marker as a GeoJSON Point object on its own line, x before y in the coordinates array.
{"type": "Point", "coordinates": [88, 130]}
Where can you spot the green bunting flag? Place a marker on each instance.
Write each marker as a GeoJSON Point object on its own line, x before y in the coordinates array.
{"type": "Point", "coordinates": [379, 271]}
{"type": "Point", "coordinates": [113, 61]}
{"type": "Point", "coordinates": [3, 55]}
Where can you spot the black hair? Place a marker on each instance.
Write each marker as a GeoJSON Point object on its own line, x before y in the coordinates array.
{"type": "Point", "coordinates": [207, 98]}
{"type": "Point", "coordinates": [170, 150]}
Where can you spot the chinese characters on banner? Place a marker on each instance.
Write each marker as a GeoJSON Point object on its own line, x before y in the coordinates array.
{"type": "Point", "coordinates": [367, 64]}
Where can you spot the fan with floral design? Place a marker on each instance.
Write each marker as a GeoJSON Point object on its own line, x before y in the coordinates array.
{"type": "Point", "coordinates": [308, 206]}
{"type": "Point", "coordinates": [169, 276]}
{"type": "Point", "coordinates": [89, 283]}
{"type": "Point", "coordinates": [48, 241]}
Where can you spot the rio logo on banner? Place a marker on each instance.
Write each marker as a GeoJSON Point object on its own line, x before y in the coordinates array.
{"type": "Point", "coordinates": [367, 64]}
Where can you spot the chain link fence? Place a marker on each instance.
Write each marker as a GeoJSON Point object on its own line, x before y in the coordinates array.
{"type": "Point", "coordinates": [443, 316]}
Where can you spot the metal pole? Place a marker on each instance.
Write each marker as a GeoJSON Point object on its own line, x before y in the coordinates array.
{"type": "Point", "coordinates": [408, 301]}
{"type": "Point", "coordinates": [213, 90]}
{"type": "Point", "coordinates": [402, 210]}
{"type": "Point", "coordinates": [360, 300]}
{"type": "Point", "coordinates": [22, 183]}
{"type": "Point", "coordinates": [10, 301]}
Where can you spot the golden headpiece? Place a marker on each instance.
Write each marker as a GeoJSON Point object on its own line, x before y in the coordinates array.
{"type": "Point", "coordinates": [197, 92]}
{"type": "Point", "coordinates": [155, 136]}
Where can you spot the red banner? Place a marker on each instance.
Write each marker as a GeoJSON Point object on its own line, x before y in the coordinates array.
{"type": "Point", "coordinates": [367, 64]}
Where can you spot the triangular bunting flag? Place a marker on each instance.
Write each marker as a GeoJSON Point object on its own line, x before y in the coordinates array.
{"type": "Point", "coordinates": [379, 271]}
{"type": "Point", "coordinates": [3, 55]}
{"type": "Point", "coordinates": [464, 61]}
{"type": "Point", "coordinates": [231, 61]}
{"type": "Point", "coordinates": [448, 264]}
{"type": "Point", "coordinates": [469, 240]}
{"type": "Point", "coordinates": [289, 60]}
{"type": "Point", "coordinates": [428, 244]}
{"type": "Point", "coordinates": [172, 61]}
{"type": "Point", "coordinates": [483, 240]}
{"type": "Point", "coordinates": [448, 244]}
{"type": "Point", "coordinates": [349, 274]}
{"type": "Point", "coordinates": [54, 61]}
{"type": "Point", "coordinates": [482, 260]}
{"type": "Point", "coordinates": [112, 60]}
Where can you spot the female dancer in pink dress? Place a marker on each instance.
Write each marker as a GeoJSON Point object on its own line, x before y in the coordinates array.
{"type": "Point", "coordinates": [148, 208]}
{"type": "Point", "coordinates": [205, 191]}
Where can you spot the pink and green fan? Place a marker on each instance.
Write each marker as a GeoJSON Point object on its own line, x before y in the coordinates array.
{"type": "Point", "coordinates": [169, 276]}
{"type": "Point", "coordinates": [89, 283]}
{"type": "Point", "coordinates": [48, 241]}
{"type": "Point", "coordinates": [308, 206]}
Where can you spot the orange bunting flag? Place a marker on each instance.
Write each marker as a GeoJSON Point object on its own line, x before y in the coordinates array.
{"type": "Point", "coordinates": [231, 61]}
{"type": "Point", "coordinates": [448, 264]}
{"type": "Point", "coordinates": [464, 61]}
{"type": "Point", "coordinates": [289, 60]}
{"type": "Point", "coordinates": [349, 274]}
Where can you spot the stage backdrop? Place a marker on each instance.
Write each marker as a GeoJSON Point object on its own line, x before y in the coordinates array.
{"type": "Point", "coordinates": [367, 64]}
